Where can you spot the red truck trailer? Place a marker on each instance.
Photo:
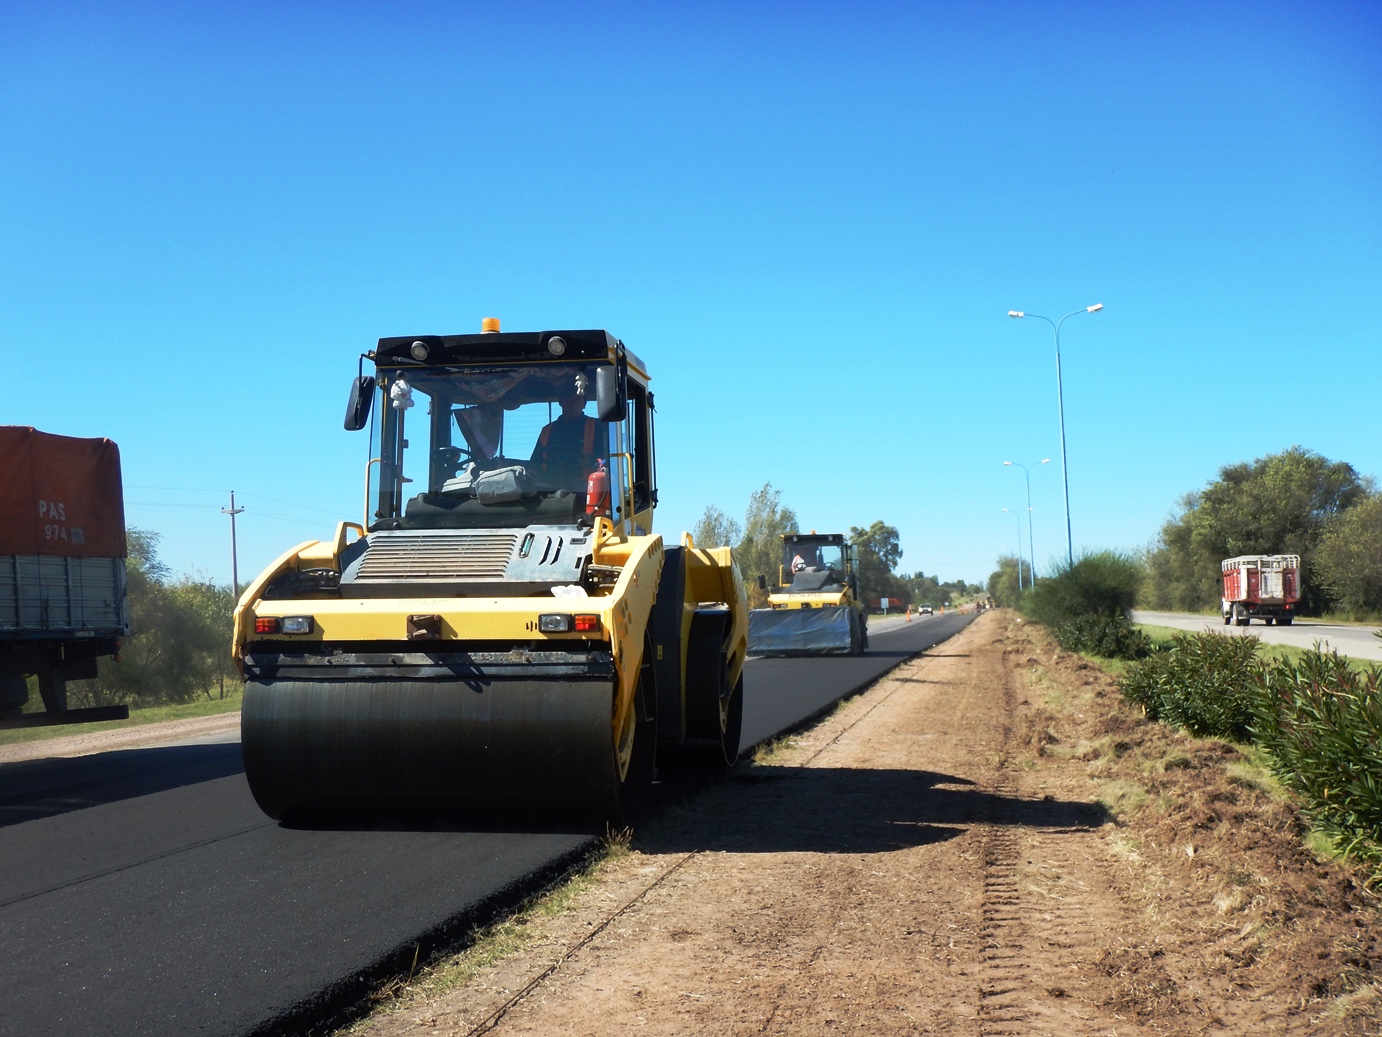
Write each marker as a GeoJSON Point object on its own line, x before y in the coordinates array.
{"type": "Point", "coordinates": [1264, 586]}
{"type": "Point", "coordinates": [63, 600]}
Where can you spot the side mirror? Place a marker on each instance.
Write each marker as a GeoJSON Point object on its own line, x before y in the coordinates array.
{"type": "Point", "coordinates": [358, 406]}
{"type": "Point", "coordinates": [609, 399]}
{"type": "Point", "coordinates": [762, 582]}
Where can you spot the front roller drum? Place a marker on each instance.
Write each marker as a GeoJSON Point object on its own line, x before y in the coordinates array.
{"type": "Point", "coordinates": [493, 749]}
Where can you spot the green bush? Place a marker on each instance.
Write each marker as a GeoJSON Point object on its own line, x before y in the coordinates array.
{"type": "Point", "coordinates": [1113, 637]}
{"type": "Point", "coordinates": [1206, 683]}
{"type": "Point", "coordinates": [1103, 583]}
{"type": "Point", "coordinates": [1007, 584]}
{"type": "Point", "coordinates": [1321, 721]}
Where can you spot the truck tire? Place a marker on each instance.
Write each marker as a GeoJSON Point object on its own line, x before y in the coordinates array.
{"type": "Point", "coordinates": [1284, 621]}
{"type": "Point", "coordinates": [14, 695]}
{"type": "Point", "coordinates": [1240, 616]}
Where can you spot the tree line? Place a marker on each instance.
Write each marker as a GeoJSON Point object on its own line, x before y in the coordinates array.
{"type": "Point", "coordinates": [1294, 502]}
{"type": "Point", "coordinates": [757, 544]}
{"type": "Point", "coordinates": [179, 645]}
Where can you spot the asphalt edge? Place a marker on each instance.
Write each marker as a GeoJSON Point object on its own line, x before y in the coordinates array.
{"type": "Point", "coordinates": [814, 718]}
{"type": "Point", "coordinates": [353, 997]}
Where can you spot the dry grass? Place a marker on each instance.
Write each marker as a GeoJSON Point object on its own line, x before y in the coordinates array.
{"type": "Point", "coordinates": [491, 944]}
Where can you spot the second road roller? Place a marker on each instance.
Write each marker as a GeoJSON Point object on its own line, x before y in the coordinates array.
{"type": "Point", "coordinates": [504, 632]}
{"type": "Point", "coordinates": [815, 608]}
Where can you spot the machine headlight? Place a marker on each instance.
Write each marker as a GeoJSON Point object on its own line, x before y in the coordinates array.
{"type": "Point", "coordinates": [554, 623]}
{"type": "Point", "coordinates": [556, 345]}
{"type": "Point", "coordinates": [419, 350]}
{"type": "Point", "coordinates": [297, 624]}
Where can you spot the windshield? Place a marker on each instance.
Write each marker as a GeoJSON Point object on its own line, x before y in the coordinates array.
{"type": "Point", "coordinates": [490, 446]}
{"type": "Point", "coordinates": [811, 558]}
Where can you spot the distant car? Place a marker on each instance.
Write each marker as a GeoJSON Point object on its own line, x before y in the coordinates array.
{"type": "Point", "coordinates": [925, 610]}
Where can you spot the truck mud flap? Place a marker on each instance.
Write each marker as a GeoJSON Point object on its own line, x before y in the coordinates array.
{"type": "Point", "coordinates": [829, 631]}
{"type": "Point", "coordinates": [489, 749]}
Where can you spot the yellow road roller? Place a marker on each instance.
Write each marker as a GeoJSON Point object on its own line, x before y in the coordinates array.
{"type": "Point", "coordinates": [814, 609]}
{"type": "Point", "coordinates": [503, 633]}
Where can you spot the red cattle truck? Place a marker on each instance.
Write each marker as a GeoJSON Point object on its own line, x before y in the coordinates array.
{"type": "Point", "coordinates": [1264, 586]}
{"type": "Point", "coordinates": [63, 603]}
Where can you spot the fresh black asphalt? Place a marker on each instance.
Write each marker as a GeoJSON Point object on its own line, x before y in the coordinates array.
{"type": "Point", "coordinates": [781, 693]}
{"type": "Point", "coordinates": [142, 891]}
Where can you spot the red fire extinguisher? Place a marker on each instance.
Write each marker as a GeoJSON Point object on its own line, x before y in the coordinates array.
{"type": "Point", "coordinates": [597, 490]}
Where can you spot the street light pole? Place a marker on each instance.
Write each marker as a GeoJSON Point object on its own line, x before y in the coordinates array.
{"type": "Point", "coordinates": [232, 511]}
{"type": "Point", "coordinates": [1031, 543]}
{"type": "Point", "coordinates": [1060, 403]}
{"type": "Point", "coordinates": [1019, 545]}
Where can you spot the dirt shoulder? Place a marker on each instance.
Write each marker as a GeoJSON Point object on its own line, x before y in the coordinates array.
{"type": "Point", "coordinates": [121, 738]}
{"type": "Point", "coordinates": [986, 842]}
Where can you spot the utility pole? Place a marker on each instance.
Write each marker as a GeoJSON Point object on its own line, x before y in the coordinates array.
{"type": "Point", "coordinates": [232, 511]}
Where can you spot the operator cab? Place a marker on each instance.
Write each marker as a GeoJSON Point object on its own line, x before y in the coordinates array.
{"type": "Point", "coordinates": [816, 562]}
{"type": "Point", "coordinates": [507, 430]}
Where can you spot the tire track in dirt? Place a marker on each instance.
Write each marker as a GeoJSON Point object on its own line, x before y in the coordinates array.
{"type": "Point", "coordinates": [1038, 917]}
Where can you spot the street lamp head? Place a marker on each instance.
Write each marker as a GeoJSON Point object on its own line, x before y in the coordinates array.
{"type": "Point", "coordinates": [1045, 460]}
{"type": "Point", "coordinates": [1095, 308]}
{"type": "Point", "coordinates": [1007, 462]}
{"type": "Point", "coordinates": [1016, 313]}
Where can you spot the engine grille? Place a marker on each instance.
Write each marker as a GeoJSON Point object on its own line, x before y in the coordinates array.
{"type": "Point", "coordinates": [435, 556]}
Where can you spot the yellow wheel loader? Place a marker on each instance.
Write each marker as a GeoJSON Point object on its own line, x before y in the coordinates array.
{"type": "Point", "coordinates": [504, 632]}
{"type": "Point", "coordinates": [815, 607]}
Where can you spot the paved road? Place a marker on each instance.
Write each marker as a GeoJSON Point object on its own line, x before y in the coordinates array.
{"type": "Point", "coordinates": [1355, 641]}
{"type": "Point", "coordinates": [780, 693]}
{"type": "Point", "coordinates": [142, 891]}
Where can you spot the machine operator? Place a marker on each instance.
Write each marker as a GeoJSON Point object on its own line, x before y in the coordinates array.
{"type": "Point", "coordinates": [568, 448]}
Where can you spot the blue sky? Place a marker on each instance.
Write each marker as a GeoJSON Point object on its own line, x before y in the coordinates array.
{"type": "Point", "coordinates": [811, 221]}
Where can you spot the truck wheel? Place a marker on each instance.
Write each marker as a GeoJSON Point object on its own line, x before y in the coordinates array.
{"type": "Point", "coordinates": [1227, 617]}
{"type": "Point", "coordinates": [14, 694]}
{"type": "Point", "coordinates": [1284, 621]}
{"type": "Point", "coordinates": [1240, 616]}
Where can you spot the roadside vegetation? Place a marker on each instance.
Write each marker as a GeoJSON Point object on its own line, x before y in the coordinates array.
{"type": "Point", "coordinates": [1087, 603]}
{"type": "Point", "coordinates": [1315, 718]}
{"type": "Point", "coordinates": [757, 543]}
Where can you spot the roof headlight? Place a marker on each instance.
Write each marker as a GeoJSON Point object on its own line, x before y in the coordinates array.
{"type": "Point", "coordinates": [419, 350]}
{"type": "Point", "coordinates": [556, 345]}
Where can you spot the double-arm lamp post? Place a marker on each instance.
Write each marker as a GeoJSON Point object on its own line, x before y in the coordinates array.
{"type": "Point", "coordinates": [1031, 545]}
{"type": "Point", "coordinates": [1060, 403]}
